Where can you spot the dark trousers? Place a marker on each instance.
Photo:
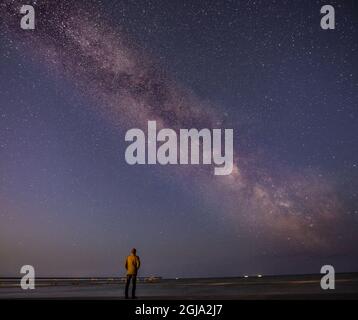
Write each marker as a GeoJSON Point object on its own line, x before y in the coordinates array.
{"type": "Point", "coordinates": [130, 277]}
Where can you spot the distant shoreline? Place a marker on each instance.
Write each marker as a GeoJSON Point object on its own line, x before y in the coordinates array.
{"type": "Point", "coordinates": [182, 278]}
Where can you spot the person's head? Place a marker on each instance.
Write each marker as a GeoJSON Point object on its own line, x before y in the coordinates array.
{"type": "Point", "coordinates": [134, 251]}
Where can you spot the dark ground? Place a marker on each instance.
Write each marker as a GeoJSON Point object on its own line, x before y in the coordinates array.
{"type": "Point", "coordinates": [267, 287]}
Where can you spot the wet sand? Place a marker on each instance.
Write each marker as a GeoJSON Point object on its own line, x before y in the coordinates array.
{"type": "Point", "coordinates": [251, 288]}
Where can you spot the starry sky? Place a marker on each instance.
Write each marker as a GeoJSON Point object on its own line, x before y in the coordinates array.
{"type": "Point", "coordinates": [70, 205]}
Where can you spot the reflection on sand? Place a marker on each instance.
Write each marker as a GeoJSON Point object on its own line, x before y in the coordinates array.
{"type": "Point", "coordinates": [251, 287]}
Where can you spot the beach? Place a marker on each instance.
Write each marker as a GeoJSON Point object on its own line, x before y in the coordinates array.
{"type": "Point", "coordinates": [235, 288]}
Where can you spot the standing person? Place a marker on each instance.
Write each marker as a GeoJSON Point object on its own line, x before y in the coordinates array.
{"type": "Point", "coordinates": [132, 265]}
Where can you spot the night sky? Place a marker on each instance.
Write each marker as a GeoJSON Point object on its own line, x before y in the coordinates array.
{"type": "Point", "coordinates": [70, 205]}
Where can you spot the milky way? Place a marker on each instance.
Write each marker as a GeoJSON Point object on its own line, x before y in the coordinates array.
{"type": "Point", "coordinates": [297, 209]}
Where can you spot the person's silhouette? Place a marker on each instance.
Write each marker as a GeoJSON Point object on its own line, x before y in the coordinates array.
{"type": "Point", "coordinates": [132, 265]}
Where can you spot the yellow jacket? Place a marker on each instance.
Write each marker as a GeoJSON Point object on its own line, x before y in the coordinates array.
{"type": "Point", "coordinates": [132, 264]}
